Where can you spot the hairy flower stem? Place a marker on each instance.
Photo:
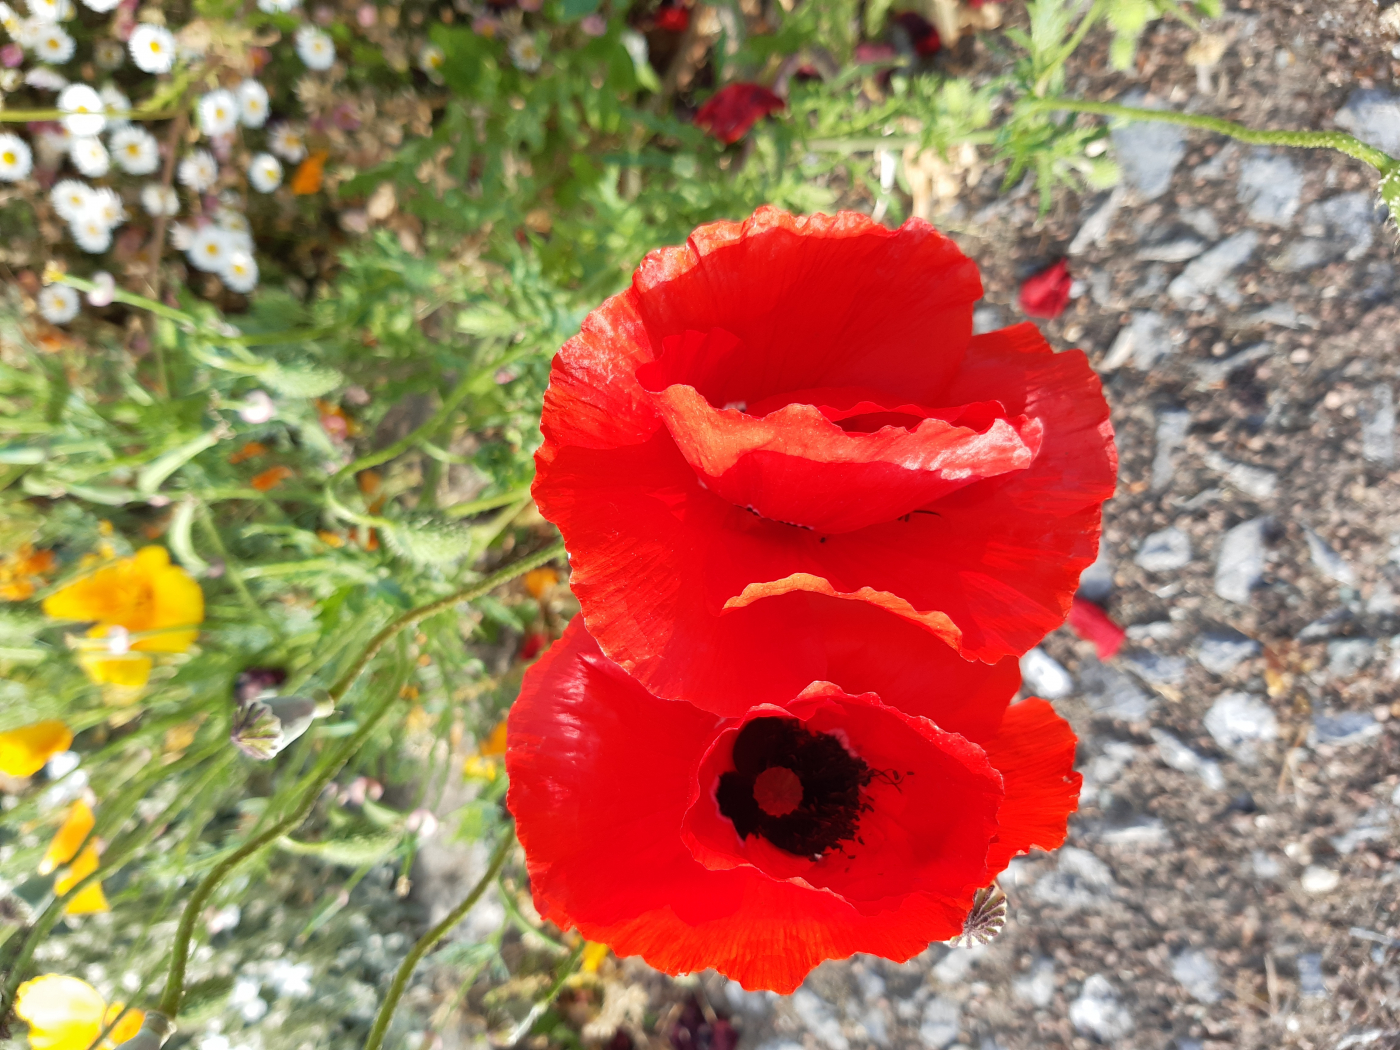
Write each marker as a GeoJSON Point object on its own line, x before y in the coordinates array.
{"type": "Point", "coordinates": [175, 982]}
{"type": "Point", "coordinates": [1337, 140]}
{"type": "Point", "coordinates": [406, 968]}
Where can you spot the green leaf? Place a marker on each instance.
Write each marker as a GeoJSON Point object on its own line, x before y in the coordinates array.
{"type": "Point", "coordinates": [302, 380]}
{"type": "Point", "coordinates": [352, 851]}
{"type": "Point", "coordinates": [153, 475]}
{"type": "Point", "coordinates": [570, 10]}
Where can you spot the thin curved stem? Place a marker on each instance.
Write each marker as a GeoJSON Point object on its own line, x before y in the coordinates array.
{"type": "Point", "coordinates": [175, 982]}
{"type": "Point", "coordinates": [1337, 140]}
{"type": "Point", "coordinates": [406, 968]}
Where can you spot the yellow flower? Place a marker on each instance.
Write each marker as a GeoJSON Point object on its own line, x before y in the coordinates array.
{"type": "Point", "coordinates": [593, 955]}
{"type": "Point", "coordinates": [64, 1013]}
{"type": "Point", "coordinates": [484, 764]}
{"type": "Point", "coordinates": [146, 597]}
{"type": "Point", "coordinates": [24, 751]}
{"type": "Point", "coordinates": [63, 849]}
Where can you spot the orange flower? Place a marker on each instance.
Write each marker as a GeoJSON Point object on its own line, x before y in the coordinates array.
{"type": "Point", "coordinates": [64, 1013]}
{"type": "Point", "coordinates": [537, 581]}
{"type": "Point", "coordinates": [310, 174]}
{"type": "Point", "coordinates": [271, 478]}
{"type": "Point", "coordinates": [249, 451]}
{"type": "Point", "coordinates": [143, 596]}
{"type": "Point", "coordinates": [330, 539]}
{"type": "Point", "coordinates": [22, 572]}
{"type": "Point", "coordinates": [485, 764]}
{"type": "Point", "coordinates": [24, 751]}
{"type": "Point", "coordinates": [64, 849]}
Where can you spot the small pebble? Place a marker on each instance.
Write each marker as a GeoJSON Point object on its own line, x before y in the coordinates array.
{"type": "Point", "coordinates": [1239, 566]}
{"type": "Point", "coordinates": [1164, 551]}
{"type": "Point", "coordinates": [1320, 880]}
{"type": "Point", "coordinates": [1099, 1012]}
{"type": "Point", "coordinates": [1194, 971]}
{"type": "Point", "coordinates": [1239, 722]}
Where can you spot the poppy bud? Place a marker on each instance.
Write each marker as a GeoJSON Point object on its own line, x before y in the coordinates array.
{"type": "Point", "coordinates": [263, 728]}
{"type": "Point", "coordinates": [155, 1030]}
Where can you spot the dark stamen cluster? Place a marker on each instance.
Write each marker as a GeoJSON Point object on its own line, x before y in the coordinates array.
{"type": "Point", "coordinates": [831, 778]}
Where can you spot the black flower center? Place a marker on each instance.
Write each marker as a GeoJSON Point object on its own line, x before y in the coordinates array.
{"type": "Point", "coordinates": [799, 790]}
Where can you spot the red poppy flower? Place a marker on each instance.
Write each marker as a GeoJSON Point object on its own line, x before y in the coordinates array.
{"type": "Point", "coordinates": [673, 19]}
{"type": "Point", "coordinates": [732, 110]}
{"type": "Point", "coordinates": [1091, 623]}
{"type": "Point", "coordinates": [763, 843]}
{"type": "Point", "coordinates": [1046, 294]}
{"type": "Point", "coordinates": [783, 443]}
{"type": "Point", "coordinates": [922, 35]}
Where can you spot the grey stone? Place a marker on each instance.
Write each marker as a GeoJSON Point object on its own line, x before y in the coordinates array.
{"type": "Point", "coordinates": [1326, 625]}
{"type": "Point", "coordinates": [1108, 691]}
{"type": "Point", "coordinates": [1182, 248]}
{"type": "Point", "coordinates": [941, 1022]}
{"type": "Point", "coordinates": [1239, 566]}
{"type": "Point", "coordinates": [1341, 227]}
{"type": "Point", "coordinates": [1285, 315]}
{"type": "Point", "coordinates": [1172, 425]}
{"type": "Point", "coordinates": [1310, 980]}
{"type": "Point", "coordinates": [1144, 341]}
{"type": "Point", "coordinates": [1202, 221]}
{"type": "Point", "coordinates": [1216, 167]}
{"type": "Point", "coordinates": [1099, 1012]}
{"type": "Point", "coordinates": [1044, 675]}
{"type": "Point", "coordinates": [1371, 826]}
{"type": "Point", "coordinates": [1347, 656]}
{"type": "Point", "coordinates": [1239, 722]}
{"type": "Point", "coordinates": [1098, 223]}
{"type": "Point", "coordinates": [1148, 152]}
{"type": "Point", "coordinates": [1348, 727]}
{"type": "Point", "coordinates": [757, 1003]}
{"type": "Point", "coordinates": [1157, 668]}
{"type": "Point", "coordinates": [1194, 971]}
{"type": "Point", "coordinates": [1373, 116]}
{"type": "Point", "coordinates": [1329, 562]}
{"type": "Point", "coordinates": [1221, 653]}
{"type": "Point", "coordinates": [817, 1017]}
{"type": "Point", "coordinates": [1105, 768]}
{"type": "Point", "coordinates": [1177, 755]}
{"type": "Point", "coordinates": [1080, 880]}
{"type": "Point", "coordinates": [1212, 372]}
{"type": "Point", "coordinates": [1156, 631]}
{"type": "Point", "coordinates": [1251, 480]}
{"type": "Point", "coordinates": [1270, 185]}
{"type": "Point", "coordinates": [986, 319]}
{"type": "Point", "coordinates": [1164, 551]}
{"type": "Point", "coordinates": [1096, 581]}
{"type": "Point", "coordinates": [1206, 274]}
{"type": "Point", "coordinates": [1265, 867]}
{"type": "Point", "coordinates": [1378, 425]}
{"type": "Point", "coordinates": [1038, 986]}
{"type": "Point", "coordinates": [1147, 833]}
{"type": "Point", "coordinates": [954, 967]}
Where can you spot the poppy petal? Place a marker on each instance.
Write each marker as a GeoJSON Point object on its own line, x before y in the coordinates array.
{"type": "Point", "coordinates": [1034, 750]}
{"type": "Point", "coordinates": [601, 774]}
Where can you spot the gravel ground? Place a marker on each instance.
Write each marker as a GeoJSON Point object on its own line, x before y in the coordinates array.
{"type": "Point", "coordinates": [1231, 878]}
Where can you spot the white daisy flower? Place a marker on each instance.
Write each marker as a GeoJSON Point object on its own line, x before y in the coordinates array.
{"type": "Point", "coordinates": [89, 156]}
{"type": "Point", "coordinates": [252, 104]}
{"type": "Point", "coordinates": [218, 112]}
{"type": "Point", "coordinates": [159, 200]}
{"type": "Point", "coordinates": [52, 44]}
{"type": "Point", "coordinates": [91, 234]}
{"type": "Point", "coordinates": [152, 48]}
{"type": "Point", "coordinates": [26, 30]}
{"type": "Point", "coordinates": [100, 6]}
{"type": "Point", "coordinates": [10, 79]}
{"type": "Point", "coordinates": [288, 141]}
{"type": "Point", "coordinates": [209, 249]}
{"type": "Point", "coordinates": [9, 19]}
{"type": "Point", "coordinates": [240, 272]}
{"type": "Point", "coordinates": [430, 61]}
{"type": "Point", "coordinates": [16, 158]}
{"type": "Point", "coordinates": [264, 172]}
{"type": "Point", "coordinates": [106, 206]}
{"type": "Point", "coordinates": [525, 53]}
{"type": "Point", "coordinates": [113, 99]}
{"type": "Point", "coordinates": [181, 236]}
{"type": "Point", "coordinates": [198, 171]}
{"type": "Point", "coordinates": [51, 10]}
{"type": "Point", "coordinates": [59, 304]}
{"type": "Point", "coordinates": [70, 198]}
{"type": "Point", "coordinates": [135, 150]}
{"type": "Point", "coordinates": [108, 54]}
{"type": "Point", "coordinates": [315, 48]}
{"type": "Point", "coordinates": [86, 107]}
{"type": "Point", "coordinates": [105, 291]}
{"type": "Point", "coordinates": [46, 79]}
{"type": "Point", "coordinates": [278, 7]}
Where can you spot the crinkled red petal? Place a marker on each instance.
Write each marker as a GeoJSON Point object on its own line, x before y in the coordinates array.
{"type": "Point", "coordinates": [733, 110]}
{"type": "Point", "coordinates": [1034, 752]}
{"type": "Point", "coordinates": [601, 774]}
{"type": "Point", "coordinates": [1091, 623]}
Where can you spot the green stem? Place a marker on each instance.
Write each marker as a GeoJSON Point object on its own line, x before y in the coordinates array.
{"type": "Point", "coordinates": [542, 1004]}
{"type": "Point", "coordinates": [449, 405]}
{"type": "Point", "coordinates": [406, 968]}
{"type": "Point", "coordinates": [1337, 140]}
{"type": "Point", "coordinates": [1081, 31]}
{"type": "Point", "coordinates": [477, 506]}
{"type": "Point", "coordinates": [232, 569]}
{"type": "Point", "coordinates": [175, 982]}
{"type": "Point", "coordinates": [23, 116]}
